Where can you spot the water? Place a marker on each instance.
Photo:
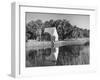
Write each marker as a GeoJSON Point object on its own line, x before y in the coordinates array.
{"type": "Point", "coordinates": [65, 55]}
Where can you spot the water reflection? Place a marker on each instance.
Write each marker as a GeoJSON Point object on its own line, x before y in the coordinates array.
{"type": "Point", "coordinates": [65, 55]}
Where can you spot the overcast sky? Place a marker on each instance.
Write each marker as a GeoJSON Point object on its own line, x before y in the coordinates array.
{"type": "Point", "coordinates": [81, 21]}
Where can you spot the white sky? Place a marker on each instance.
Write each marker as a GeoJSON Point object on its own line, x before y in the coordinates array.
{"type": "Point", "coordinates": [81, 21]}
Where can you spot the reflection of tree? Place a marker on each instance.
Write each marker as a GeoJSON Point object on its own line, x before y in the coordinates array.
{"type": "Point", "coordinates": [39, 57]}
{"type": "Point", "coordinates": [67, 55]}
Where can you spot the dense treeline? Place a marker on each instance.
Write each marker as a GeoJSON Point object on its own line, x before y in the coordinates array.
{"type": "Point", "coordinates": [35, 29]}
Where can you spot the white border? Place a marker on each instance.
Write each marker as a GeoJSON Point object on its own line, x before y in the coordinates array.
{"type": "Point", "coordinates": [20, 69]}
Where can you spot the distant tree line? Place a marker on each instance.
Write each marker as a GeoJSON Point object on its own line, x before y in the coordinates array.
{"type": "Point", "coordinates": [35, 30]}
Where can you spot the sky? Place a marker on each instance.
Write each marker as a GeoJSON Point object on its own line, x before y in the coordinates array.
{"type": "Point", "coordinates": [81, 21]}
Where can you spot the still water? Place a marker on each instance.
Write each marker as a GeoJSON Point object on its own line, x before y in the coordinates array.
{"type": "Point", "coordinates": [64, 55]}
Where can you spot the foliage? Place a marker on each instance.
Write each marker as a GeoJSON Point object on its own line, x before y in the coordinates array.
{"type": "Point", "coordinates": [35, 29]}
{"type": "Point", "coordinates": [46, 37]}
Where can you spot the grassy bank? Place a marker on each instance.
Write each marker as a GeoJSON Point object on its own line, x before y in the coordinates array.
{"type": "Point", "coordinates": [31, 44]}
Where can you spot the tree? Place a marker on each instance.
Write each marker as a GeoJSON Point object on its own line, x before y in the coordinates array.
{"type": "Point", "coordinates": [35, 29]}
{"type": "Point", "coordinates": [46, 37]}
{"type": "Point", "coordinates": [31, 29]}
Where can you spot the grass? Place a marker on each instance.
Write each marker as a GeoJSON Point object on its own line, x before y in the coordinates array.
{"type": "Point", "coordinates": [31, 44]}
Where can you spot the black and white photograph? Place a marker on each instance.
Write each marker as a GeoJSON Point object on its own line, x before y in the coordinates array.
{"type": "Point", "coordinates": [54, 39]}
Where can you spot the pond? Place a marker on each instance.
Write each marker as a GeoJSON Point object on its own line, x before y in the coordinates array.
{"type": "Point", "coordinates": [64, 55]}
